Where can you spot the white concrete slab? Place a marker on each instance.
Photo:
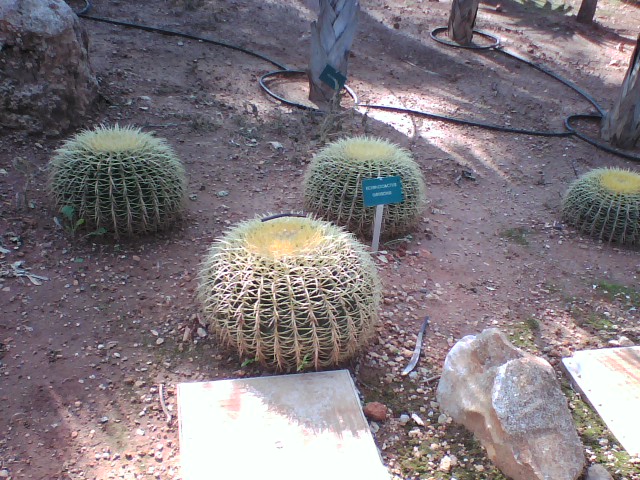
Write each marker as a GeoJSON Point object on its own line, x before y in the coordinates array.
{"type": "Point", "coordinates": [610, 380]}
{"type": "Point", "coordinates": [306, 426]}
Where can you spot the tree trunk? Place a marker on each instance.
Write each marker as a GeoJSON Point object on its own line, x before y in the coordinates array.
{"type": "Point", "coordinates": [621, 126]}
{"type": "Point", "coordinates": [331, 38]}
{"type": "Point", "coordinates": [462, 19]}
{"type": "Point", "coordinates": [587, 11]}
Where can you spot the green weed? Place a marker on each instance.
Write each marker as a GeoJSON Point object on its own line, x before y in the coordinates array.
{"type": "Point", "coordinates": [617, 292]}
{"type": "Point", "coordinates": [305, 363]}
{"type": "Point", "coordinates": [70, 223]}
{"type": "Point", "coordinates": [472, 463]}
{"type": "Point", "coordinates": [533, 324]}
{"type": "Point", "coordinates": [597, 322]}
{"type": "Point", "coordinates": [517, 235]}
{"type": "Point", "coordinates": [523, 334]}
{"type": "Point", "coordinates": [247, 362]}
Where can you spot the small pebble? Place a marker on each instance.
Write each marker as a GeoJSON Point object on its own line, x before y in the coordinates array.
{"type": "Point", "coordinates": [374, 427]}
{"type": "Point", "coordinates": [375, 411]}
{"type": "Point", "coordinates": [416, 418]}
{"type": "Point", "coordinates": [445, 464]}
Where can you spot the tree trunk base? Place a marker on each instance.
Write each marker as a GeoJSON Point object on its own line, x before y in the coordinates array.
{"type": "Point", "coordinates": [587, 11]}
{"type": "Point", "coordinates": [320, 93]}
{"type": "Point", "coordinates": [462, 19]}
{"type": "Point", "coordinates": [331, 38]}
{"type": "Point", "coordinates": [621, 125]}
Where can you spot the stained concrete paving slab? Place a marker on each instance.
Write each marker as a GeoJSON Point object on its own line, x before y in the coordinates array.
{"type": "Point", "coordinates": [609, 379]}
{"type": "Point", "coordinates": [287, 427]}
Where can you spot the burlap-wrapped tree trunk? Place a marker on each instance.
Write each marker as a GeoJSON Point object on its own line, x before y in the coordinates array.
{"type": "Point", "coordinates": [462, 19]}
{"type": "Point", "coordinates": [621, 126]}
{"type": "Point", "coordinates": [331, 38]}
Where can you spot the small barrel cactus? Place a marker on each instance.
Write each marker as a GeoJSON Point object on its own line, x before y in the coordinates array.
{"type": "Point", "coordinates": [290, 292]}
{"type": "Point", "coordinates": [333, 185]}
{"type": "Point", "coordinates": [605, 203]}
{"type": "Point", "coordinates": [119, 180]}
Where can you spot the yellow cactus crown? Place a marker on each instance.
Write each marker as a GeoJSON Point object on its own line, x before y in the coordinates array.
{"type": "Point", "coordinates": [367, 149]}
{"type": "Point", "coordinates": [619, 181]}
{"type": "Point", "coordinates": [106, 139]}
{"type": "Point", "coordinates": [283, 237]}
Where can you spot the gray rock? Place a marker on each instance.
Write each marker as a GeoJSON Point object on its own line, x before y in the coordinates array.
{"type": "Point", "coordinates": [626, 341]}
{"type": "Point", "coordinates": [46, 82]}
{"type": "Point", "coordinates": [598, 472]}
{"type": "Point", "coordinates": [512, 402]}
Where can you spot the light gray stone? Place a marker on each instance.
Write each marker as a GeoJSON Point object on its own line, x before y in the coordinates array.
{"type": "Point", "coordinates": [512, 402]}
{"type": "Point", "coordinates": [598, 472]}
{"type": "Point", "coordinates": [46, 82]}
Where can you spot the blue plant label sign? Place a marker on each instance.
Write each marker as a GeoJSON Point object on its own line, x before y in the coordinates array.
{"type": "Point", "coordinates": [333, 78]}
{"type": "Point", "coordinates": [382, 191]}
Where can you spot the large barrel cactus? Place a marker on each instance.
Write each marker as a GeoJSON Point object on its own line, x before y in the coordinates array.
{"type": "Point", "coordinates": [119, 179]}
{"type": "Point", "coordinates": [290, 292]}
{"type": "Point", "coordinates": [605, 203]}
{"type": "Point", "coordinates": [333, 185]}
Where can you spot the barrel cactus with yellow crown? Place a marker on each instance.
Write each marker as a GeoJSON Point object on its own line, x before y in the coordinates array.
{"type": "Point", "coordinates": [119, 179]}
{"type": "Point", "coordinates": [605, 203]}
{"type": "Point", "coordinates": [333, 185]}
{"type": "Point", "coordinates": [290, 292]}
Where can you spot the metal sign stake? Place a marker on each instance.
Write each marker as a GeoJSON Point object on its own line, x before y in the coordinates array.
{"type": "Point", "coordinates": [378, 192]}
{"type": "Point", "coordinates": [377, 226]}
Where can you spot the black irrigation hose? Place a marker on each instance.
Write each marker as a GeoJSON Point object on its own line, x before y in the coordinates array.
{"type": "Point", "coordinates": [175, 33]}
{"type": "Point", "coordinates": [557, 77]}
{"type": "Point", "coordinates": [497, 46]}
{"type": "Point", "coordinates": [271, 93]}
{"type": "Point", "coordinates": [591, 140]}
{"type": "Point", "coordinates": [495, 41]}
{"type": "Point", "coordinates": [85, 9]}
{"type": "Point", "coordinates": [281, 215]}
{"type": "Point", "coordinates": [469, 123]}
{"type": "Point", "coordinates": [570, 130]}
{"type": "Point", "coordinates": [494, 45]}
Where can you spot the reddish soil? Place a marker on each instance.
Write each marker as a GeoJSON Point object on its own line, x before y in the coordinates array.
{"type": "Point", "coordinates": [84, 353]}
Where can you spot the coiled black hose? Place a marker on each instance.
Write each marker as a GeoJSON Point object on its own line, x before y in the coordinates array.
{"type": "Point", "coordinates": [494, 45]}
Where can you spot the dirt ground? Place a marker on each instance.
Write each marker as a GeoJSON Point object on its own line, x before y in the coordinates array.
{"type": "Point", "coordinates": [87, 353]}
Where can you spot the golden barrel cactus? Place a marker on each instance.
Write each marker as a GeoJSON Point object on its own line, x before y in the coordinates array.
{"type": "Point", "coordinates": [333, 185]}
{"type": "Point", "coordinates": [290, 292]}
{"type": "Point", "coordinates": [605, 203]}
{"type": "Point", "coordinates": [119, 179]}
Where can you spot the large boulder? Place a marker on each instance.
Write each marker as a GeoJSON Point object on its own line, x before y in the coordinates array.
{"type": "Point", "coordinates": [46, 82]}
{"type": "Point", "coordinates": [597, 472]}
{"type": "Point", "coordinates": [512, 402]}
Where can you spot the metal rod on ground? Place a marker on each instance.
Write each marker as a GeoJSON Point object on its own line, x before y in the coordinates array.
{"type": "Point", "coordinates": [377, 227]}
{"type": "Point", "coordinates": [416, 351]}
